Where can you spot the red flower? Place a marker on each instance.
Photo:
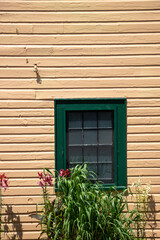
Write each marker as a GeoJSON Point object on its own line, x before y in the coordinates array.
{"type": "Point", "coordinates": [63, 173]}
{"type": "Point", "coordinates": [3, 181]}
{"type": "Point", "coordinates": [41, 184]}
{"type": "Point", "coordinates": [40, 175]}
{"type": "Point", "coordinates": [47, 179]}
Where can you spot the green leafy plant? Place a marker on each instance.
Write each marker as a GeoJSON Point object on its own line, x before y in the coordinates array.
{"type": "Point", "coordinates": [82, 211]}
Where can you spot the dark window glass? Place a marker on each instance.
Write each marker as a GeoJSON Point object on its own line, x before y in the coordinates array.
{"type": "Point", "coordinates": [90, 139]}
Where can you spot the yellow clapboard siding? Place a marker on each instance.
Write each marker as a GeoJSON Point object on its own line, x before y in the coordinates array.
{"type": "Point", "coordinates": [157, 207]}
{"type": "Point", "coordinates": [76, 50]}
{"type": "Point", "coordinates": [154, 189]}
{"type": "Point", "coordinates": [143, 102]}
{"type": "Point", "coordinates": [24, 226]}
{"type": "Point", "coordinates": [83, 49]}
{"type": "Point", "coordinates": [90, 93]}
{"type": "Point", "coordinates": [143, 171]}
{"type": "Point", "coordinates": [25, 191]}
{"type": "Point", "coordinates": [139, 38]}
{"type": "Point", "coordinates": [26, 138]}
{"type": "Point", "coordinates": [26, 182]}
{"type": "Point", "coordinates": [82, 5]}
{"type": "Point", "coordinates": [78, 5]}
{"type": "Point", "coordinates": [34, 235]}
{"type": "Point", "coordinates": [144, 137]}
{"type": "Point", "coordinates": [142, 163]}
{"type": "Point", "coordinates": [30, 94]}
{"type": "Point", "coordinates": [50, 94]}
{"type": "Point", "coordinates": [25, 173]}
{"type": "Point", "coordinates": [33, 147]}
{"type": "Point", "coordinates": [25, 156]}
{"type": "Point", "coordinates": [76, 83]}
{"type": "Point", "coordinates": [21, 217]}
{"type": "Point", "coordinates": [72, 28]}
{"type": "Point", "coordinates": [143, 146]}
{"type": "Point", "coordinates": [26, 121]}
{"type": "Point", "coordinates": [97, 16]}
{"type": "Point", "coordinates": [83, 72]}
{"type": "Point", "coordinates": [24, 104]}
{"type": "Point", "coordinates": [81, 62]}
{"type": "Point", "coordinates": [146, 180]}
{"type": "Point", "coordinates": [143, 120]}
{"type": "Point", "coordinates": [23, 200]}
{"type": "Point", "coordinates": [41, 104]}
{"type": "Point", "coordinates": [22, 164]}
{"type": "Point", "coordinates": [27, 130]}
{"type": "Point", "coordinates": [144, 155]}
{"type": "Point", "coordinates": [144, 128]}
{"type": "Point", "coordinates": [26, 113]}
{"type": "Point", "coordinates": [144, 111]}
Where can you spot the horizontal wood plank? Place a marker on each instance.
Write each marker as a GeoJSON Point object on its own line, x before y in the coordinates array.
{"type": "Point", "coordinates": [82, 72]}
{"type": "Point", "coordinates": [25, 104]}
{"type": "Point", "coordinates": [27, 164]}
{"type": "Point", "coordinates": [144, 129]}
{"type": "Point", "coordinates": [26, 113]}
{"type": "Point", "coordinates": [76, 50]}
{"type": "Point", "coordinates": [143, 120]}
{"type": "Point", "coordinates": [76, 83]}
{"type": "Point", "coordinates": [138, 172]}
{"type": "Point", "coordinates": [25, 173]}
{"type": "Point", "coordinates": [143, 146]}
{"type": "Point", "coordinates": [74, 39]}
{"type": "Point", "coordinates": [143, 102]}
{"type": "Point", "coordinates": [26, 156]}
{"type": "Point", "coordinates": [26, 121]}
{"type": "Point", "coordinates": [26, 130]}
{"type": "Point", "coordinates": [73, 28]}
{"type": "Point", "coordinates": [34, 147]}
{"type": "Point", "coordinates": [99, 93]}
{"type": "Point", "coordinates": [146, 60]}
{"type": "Point", "coordinates": [144, 137]}
{"type": "Point", "coordinates": [43, 138]}
{"type": "Point", "coordinates": [140, 163]}
{"type": "Point", "coordinates": [78, 5]}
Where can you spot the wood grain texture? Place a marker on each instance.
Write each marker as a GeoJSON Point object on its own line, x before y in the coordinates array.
{"type": "Point", "coordinates": [82, 39]}
{"type": "Point", "coordinates": [83, 49]}
{"type": "Point", "coordinates": [79, 50]}
{"type": "Point", "coordinates": [78, 5]}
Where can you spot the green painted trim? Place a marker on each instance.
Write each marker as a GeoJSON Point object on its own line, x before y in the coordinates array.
{"type": "Point", "coordinates": [120, 125]}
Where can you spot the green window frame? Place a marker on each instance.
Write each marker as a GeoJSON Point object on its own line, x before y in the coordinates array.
{"type": "Point", "coordinates": [118, 105]}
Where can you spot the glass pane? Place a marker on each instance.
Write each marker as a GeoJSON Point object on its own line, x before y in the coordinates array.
{"type": "Point", "coordinates": [75, 137]}
{"type": "Point", "coordinates": [105, 171]}
{"type": "Point", "coordinates": [90, 154]}
{"type": "Point", "coordinates": [105, 154]}
{"type": "Point", "coordinates": [105, 119]}
{"type": "Point", "coordinates": [93, 168]}
{"type": "Point", "coordinates": [75, 120]}
{"type": "Point", "coordinates": [90, 136]}
{"type": "Point", "coordinates": [105, 136]}
{"type": "Point", "coordinates": [90, 119]}
{"type": "Point", "coordinates": [75, 155]}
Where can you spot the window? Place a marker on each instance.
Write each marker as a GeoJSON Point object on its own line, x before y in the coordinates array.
{"type": "Point", "coordinates": [92, 131]}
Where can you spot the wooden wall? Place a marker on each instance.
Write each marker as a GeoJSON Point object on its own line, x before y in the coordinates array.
{"type": "Point", "coordinates": [83, 48]}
